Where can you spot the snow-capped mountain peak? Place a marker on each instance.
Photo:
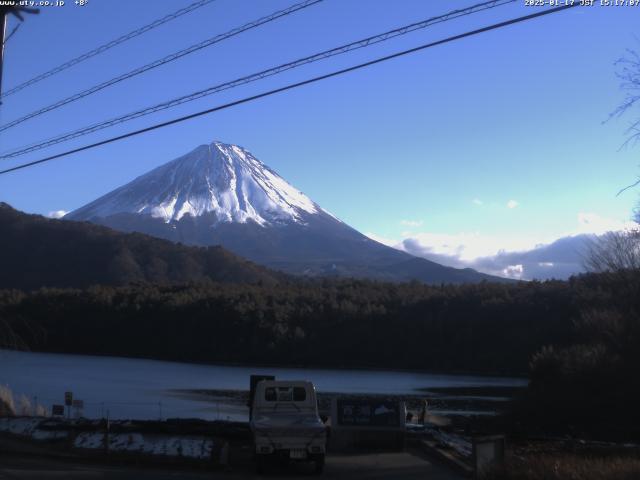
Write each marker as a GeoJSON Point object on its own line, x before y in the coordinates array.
{"type": "Point", "coordinates": [220, 194]}
{"type": "Point", "coordinates": [218, 178]}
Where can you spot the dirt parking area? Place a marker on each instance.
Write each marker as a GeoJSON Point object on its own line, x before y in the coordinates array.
{"type": "Point", "coordinates": [405, 465]}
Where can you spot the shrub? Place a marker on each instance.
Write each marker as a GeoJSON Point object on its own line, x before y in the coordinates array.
{"type": "Point", "coordinates": [567, 467]}
{"type": "Point", "coordinates": [7, 404]}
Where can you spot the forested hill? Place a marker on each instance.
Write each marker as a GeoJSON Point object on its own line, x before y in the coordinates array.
{"type": "Point", "coordinates": [489, 328]}
{"type": "Point", "coordinates": [40, 252]}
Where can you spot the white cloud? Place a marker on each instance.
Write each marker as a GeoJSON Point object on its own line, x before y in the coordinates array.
{"type": "Point", "coordinates": [57, 214]}
{"type": "Point", "coordinates": [385, 241]}
{"type": "Point", "coordinates": [513, 271]}
{"type": "Point", "coordinates": [411, 223]}
{"type": "Point", "coordinates": [511, 254]}
{"type": "Point", "coordinates": [477, 201]}
{"type": "Point", "coordinates": [557, 259]}
{"type": "Point", "coordinates": [512, 204]}
{"type": "Point", "coordinates": [594, 223]}
{"type": "Point", "coordinates": [467, 246]}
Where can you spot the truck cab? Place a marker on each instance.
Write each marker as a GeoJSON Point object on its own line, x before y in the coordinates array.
{"type": "Point", "coordinates": [285, 423]}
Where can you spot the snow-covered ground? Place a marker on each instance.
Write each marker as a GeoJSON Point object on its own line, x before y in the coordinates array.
{"type": "Point", "coordinates": [151, 444]}
{"type": "Point", "coordinates": [190, 446]}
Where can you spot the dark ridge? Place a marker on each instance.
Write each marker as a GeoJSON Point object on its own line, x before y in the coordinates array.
{"type": "Point", "coordinates": [40, 252]}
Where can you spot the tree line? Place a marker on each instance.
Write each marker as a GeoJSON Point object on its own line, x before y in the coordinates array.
{"type": "Point", "coordinates": [483, 328]}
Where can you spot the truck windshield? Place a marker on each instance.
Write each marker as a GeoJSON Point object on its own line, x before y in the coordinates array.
{"type": "Point", "coordinates": [285, 394]}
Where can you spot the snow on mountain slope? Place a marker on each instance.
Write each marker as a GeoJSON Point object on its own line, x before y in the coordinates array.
{"type": "Point", "coordinates": [220, 194]}
{"type": "Point", "coordinates": [218, 178]}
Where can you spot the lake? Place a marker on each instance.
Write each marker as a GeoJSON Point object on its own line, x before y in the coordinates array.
{"type": "Point", "coordinates": [152, 389]}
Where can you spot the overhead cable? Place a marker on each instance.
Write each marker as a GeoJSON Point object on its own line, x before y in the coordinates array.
{"type": "Point", "coordinates": [291, 86]}
{"type": "Point", "coordinates": [104, 47]}
{"type": "Point", "coordinates": [256, 76]}
{"type": "Point", "coordinates": [162, 61]}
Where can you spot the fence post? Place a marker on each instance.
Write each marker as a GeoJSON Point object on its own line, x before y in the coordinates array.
{"type": "Point", "coordinates": [106, 433]}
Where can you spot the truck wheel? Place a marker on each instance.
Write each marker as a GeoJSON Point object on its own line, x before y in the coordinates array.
{"type": "Point", "coordinates": [260, 461]}
{"type": "Point", "coordinates": [319, 463]}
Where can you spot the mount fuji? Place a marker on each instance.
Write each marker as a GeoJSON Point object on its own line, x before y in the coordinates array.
{"type": "Point", "coordinates": [220, 194]}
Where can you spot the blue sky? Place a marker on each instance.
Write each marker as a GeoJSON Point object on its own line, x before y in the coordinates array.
{"type": "Point", "coordinates": [436, 146]}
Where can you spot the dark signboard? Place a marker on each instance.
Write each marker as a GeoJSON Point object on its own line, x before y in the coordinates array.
{"type": "Point", "coordinates": [369, 413]}
{"type": "Point", "coordinates": [57, 410]}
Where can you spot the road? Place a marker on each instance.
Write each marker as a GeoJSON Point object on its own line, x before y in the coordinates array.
{"type": "Point", "coordinates": [381, 466]}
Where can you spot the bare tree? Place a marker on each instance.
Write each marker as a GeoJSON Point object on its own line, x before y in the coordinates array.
{"type": "Point", "coordinates": [614, 252]}
{"type": "Point", "coordinates": [628, 72]}
{"type": "Point", "coordinates": [629, 75]}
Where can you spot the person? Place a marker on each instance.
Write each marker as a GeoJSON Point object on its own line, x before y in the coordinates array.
{"type": "Point", "coordinates": [423, 412]}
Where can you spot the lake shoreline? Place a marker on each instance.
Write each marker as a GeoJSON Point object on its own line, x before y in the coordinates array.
{"type": "Point", "coordinates": [151, 389]}
{"type": "Point", "coordinates": [462, 373]}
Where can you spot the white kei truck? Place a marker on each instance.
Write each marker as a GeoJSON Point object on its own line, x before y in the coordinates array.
{"type": "Point", "coordinates": [285, 423]}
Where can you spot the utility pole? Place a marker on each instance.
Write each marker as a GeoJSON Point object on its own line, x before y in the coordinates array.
{"type": "Point", "coordinates": [4, 14]}
{"type": "Point", "coordinates": [3, 28]}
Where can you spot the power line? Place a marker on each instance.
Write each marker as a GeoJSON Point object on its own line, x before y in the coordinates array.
{"type": "Point", "coordinates": [15, 29]}
{"type": "Point", "coordinates": [257, 76]}
{"type": "Point", "coordinates": [295, 85]}
{"type": "Point", "coordinates": [169, 58]}
{"type": "Point", "coordinates": [107, 46]}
